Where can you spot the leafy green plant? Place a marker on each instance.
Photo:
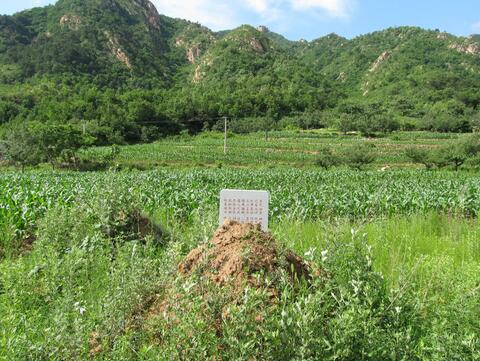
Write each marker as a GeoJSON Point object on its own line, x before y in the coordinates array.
{"type": "Point", "coordinates": [34, 143]}
{"type": "Point", "coordinates": [359, 156]}
{"type": "Point", "coordinates": [327, 158]}
{"type": "Point", "coordinates": [421, 156]}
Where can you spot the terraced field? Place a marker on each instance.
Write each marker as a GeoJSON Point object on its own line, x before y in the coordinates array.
{"type": "Point", "coordinates": [289, 148]}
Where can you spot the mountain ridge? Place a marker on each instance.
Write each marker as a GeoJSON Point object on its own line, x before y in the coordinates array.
{"type": "Point", "coordinates": [188, 74]}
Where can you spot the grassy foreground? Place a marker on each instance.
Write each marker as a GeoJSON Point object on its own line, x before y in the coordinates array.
{"type": "Point", "coordinates": [398, 285]}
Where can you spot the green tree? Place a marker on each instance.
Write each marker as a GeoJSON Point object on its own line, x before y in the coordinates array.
{"type": "Point", "coordinates": [327, 158]}
{"type": "Point", "coordinates": [58, 142]}
{"type": "Point", "coordinates": [37, 142]}
{"type": "Point", "coordinates": [345, 123]}
{"type": "Point", "coordinates": [388, 123]}
{"type": "Point", "coordinates": [20, 146]}
{"type": "Point", "coordinates": [457, 154]}
{"type": "Point", "coordinates": [475, 123]}
{"type": "Point", "coordinates": [359, 156]}
{"type": "Point", "coordinates": [421, 156]}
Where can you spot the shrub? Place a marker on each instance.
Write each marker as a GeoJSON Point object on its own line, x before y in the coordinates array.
{"type": "Point", "coordinates": [35, 143]}
{"type": "Point", "coordinates": [91, 160]}
{"type": "Point", "coordinates": [20, 146]}
{"type": "Point", "coordinates": [458, 153]}
{"type": "Point", "coordinates": [346, 123]}
{"type": "Point", "coordinates": [421, 156]}
{"type": "Point", "coordinates": [359, 156]}
{"type": "Point", "coordinates": [327, 158]}
{"type": "Point", "coordinates": [455, 154]}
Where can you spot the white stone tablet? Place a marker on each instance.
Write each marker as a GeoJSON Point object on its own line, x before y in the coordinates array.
{"type": "Point", "coordinates": [244, 206]}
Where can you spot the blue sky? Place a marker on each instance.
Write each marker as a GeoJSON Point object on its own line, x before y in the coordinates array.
{"type": "Point", "coordinates": [309, 19]}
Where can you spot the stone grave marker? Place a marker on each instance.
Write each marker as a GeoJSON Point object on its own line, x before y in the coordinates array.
{"type": "Point", "coordinates": [244, 206]}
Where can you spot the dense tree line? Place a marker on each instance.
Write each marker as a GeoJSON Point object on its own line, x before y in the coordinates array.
{"type": "Point", "coordinates": [136, 115]}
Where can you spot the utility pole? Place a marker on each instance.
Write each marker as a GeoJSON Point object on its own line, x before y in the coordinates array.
{"type": "Point", "coordinates": [225, 138]}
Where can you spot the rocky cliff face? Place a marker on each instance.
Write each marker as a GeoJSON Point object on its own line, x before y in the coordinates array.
{"type": "Point", "coordinates": [263, 29]}
{"type": "Point", "coordinates": [472, 48]}
{"type": "Point", "coordinates": [382, 58]}
{"type": "Point", "coordinates": [150, 13]}
{"type": "Point", "coordinates": [117, 51]}
{"type": "Point", "coordinates": [71, 21]}
{"type": "Point", "coordinates": [194, 40]}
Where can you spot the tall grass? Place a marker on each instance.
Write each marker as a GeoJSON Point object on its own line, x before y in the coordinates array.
{"type": "Point", "coordinates": [398, 288]}
{"type": "Point", "coordinates": [399, 243]}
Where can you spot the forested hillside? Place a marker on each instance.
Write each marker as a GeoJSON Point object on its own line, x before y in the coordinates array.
{"type": "Point", "coordinates": [129, 74]}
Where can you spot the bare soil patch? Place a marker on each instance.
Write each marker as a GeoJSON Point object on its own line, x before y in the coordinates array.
{"type": "Point", "coordinates": [237, 252]}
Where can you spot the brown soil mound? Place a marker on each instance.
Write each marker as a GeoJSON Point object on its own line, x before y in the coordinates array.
{"type": "Point", "coordinates": [239, 251]}
{"type": "Point", "coordinates": [238, 255]}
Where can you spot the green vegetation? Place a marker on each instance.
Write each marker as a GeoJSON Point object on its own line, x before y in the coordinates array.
{"type": "Point", "coordinates": [302, 149]}
{"type": "Point", "coordinates": [455, 155]}
{"type": "Point", "coordinates": [395, 287]}
{"type": "Point", "coordinates": [36, 143]}
{"type": "Point", "coordinates": [302, 194]}
{"type": "Point", "coordinates": [88, 259]}
{"type": "Point", "coordinates": [131, 75]}
{"type": "Point", "coordinates": [356, 157]}
{"type": "Point", "coordinates": [335, 129]}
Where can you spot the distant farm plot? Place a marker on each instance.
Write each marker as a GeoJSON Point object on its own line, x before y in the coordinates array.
{"type": "Point", "coordinates": [288, 148]}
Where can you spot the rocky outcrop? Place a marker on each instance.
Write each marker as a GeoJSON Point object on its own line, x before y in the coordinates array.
{"type": "Point", "coordinates": [198, 75]}
{"type": "Point", "coordinates": [193, 54]}
{"type": "Point", "coordinates": [179, 42]}
{"type": "Point", "coordinates": [263, 29]}
{"type": "Point", "coordinates": [194, 40]}
{"type": "Point", "coordinates": [200, 70]}
{"type": "Point", "coordinates": [70, 21]}
{"type": "Point", "coordinates": [117, 51]}
{"type": "Point", "coordinates": [442, 36]}
{"type": "Point", "coordinates": [466, 48]}
{"type": "Point", "coordinates": [150, 12]}
{"type": "Point", "coordinates": [342, 77]}
{"type": "Point", "coordinates": [257, 46]}
{"type": "Point", "coordinates": [383, 57]}
{"type": "Point", "coordinates": [365, 88]}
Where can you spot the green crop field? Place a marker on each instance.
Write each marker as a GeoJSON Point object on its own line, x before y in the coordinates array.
{"type": "Point", "coordinates": [400, 249]}
{"type": "Point", "coordinates": [285, 148]}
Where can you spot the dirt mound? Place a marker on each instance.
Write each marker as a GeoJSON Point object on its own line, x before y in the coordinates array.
{"type": "Point", "coordinates": [212, 280]}
{"type": "Point", "coordinates": [237, 252]}
{"type": "Point", "coordinates": [134, 225]}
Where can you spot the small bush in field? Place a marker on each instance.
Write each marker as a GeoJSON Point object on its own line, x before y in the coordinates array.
{"type": "Point", "coordinates": [461, 152]}
{"type": "Point", "coordinates": [327, 158]}
{"type": "Point", "coordinates": [359, 156]}
{"type": "Point", "coordinates": [37, 142]}
{"type": "Point", "coordinates": [421, 156]}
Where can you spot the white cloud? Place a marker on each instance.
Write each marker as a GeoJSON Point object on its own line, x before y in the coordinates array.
{"type": "Point", "coordinates": [335, 8]}
{"type": "Point", "coordinates": [39, 2]}
{"type": "Point", "coordinates": [269, 10]}
{"type": "Point", "coordinates": [229, 14]}
{"type": "Point", "coordinates": [214, 14]}
{"type": "Point", "coordinates": [260, 6]}
{"type": "Point", "coordinates": [476, 26]}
